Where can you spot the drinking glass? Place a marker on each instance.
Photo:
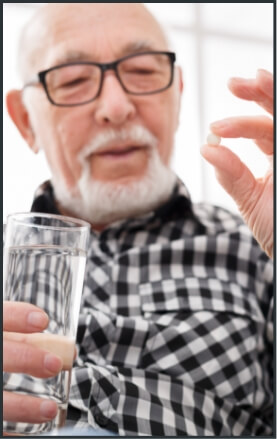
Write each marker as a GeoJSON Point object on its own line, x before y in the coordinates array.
{"type": "Point", "coordinates": [44, 264]}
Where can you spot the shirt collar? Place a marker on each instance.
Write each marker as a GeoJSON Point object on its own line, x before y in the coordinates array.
{"type": "Point", "coordinates": [178, 206]}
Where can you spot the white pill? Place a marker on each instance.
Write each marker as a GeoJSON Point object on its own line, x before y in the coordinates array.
{"type": "Point", "coordinates": [212, 139]}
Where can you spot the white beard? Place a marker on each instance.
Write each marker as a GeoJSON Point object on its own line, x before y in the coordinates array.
{"type": "Point", "coordinates": [105, 202]}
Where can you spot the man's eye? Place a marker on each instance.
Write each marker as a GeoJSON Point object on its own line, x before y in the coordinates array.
{"type": "Point", "coordinates": [73, 82]}
{"type": "Point", "coordinates": [141, 71]}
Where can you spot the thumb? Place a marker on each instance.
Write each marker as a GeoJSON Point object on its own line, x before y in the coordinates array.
{"type": "Point", "coordinates": [232, 174]}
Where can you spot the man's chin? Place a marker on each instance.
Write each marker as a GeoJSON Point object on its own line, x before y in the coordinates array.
{"type": "Point", "coordinates": [120, 182]}
{"type": "Point", "coordinates": [106, 202]}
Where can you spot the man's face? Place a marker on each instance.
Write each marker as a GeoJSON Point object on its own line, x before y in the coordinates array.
{"type": "Point", "coordinates": [101, 33]}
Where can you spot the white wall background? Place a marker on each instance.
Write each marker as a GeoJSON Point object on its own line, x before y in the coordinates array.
{"type": "Point", "coordinates": [213, 41]}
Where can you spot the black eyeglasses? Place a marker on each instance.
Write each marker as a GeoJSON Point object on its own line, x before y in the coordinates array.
{"type": "Point", "coordinates": [78, 83]}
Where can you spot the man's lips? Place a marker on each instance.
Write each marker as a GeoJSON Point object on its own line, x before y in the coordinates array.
{"type": "Point", "coordinates": [120, 151]}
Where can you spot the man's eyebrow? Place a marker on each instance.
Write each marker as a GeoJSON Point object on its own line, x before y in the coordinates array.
{"type": "Point", "coordinates": [133, 47]}
{"type": "Point", "coordinates": [137, 47]}
{"type": "Point", "coordinates": [72, 56]}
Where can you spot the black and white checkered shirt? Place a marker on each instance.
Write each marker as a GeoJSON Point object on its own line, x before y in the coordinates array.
{"type": "Point", "coordinates": [176, 327]}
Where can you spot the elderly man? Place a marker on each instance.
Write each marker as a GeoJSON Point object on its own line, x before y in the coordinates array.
{"type": "Point", "coordinates": [175, 332]}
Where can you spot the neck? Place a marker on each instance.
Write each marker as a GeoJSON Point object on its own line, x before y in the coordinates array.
{"type": "Point", "coordinates": [67, 212]}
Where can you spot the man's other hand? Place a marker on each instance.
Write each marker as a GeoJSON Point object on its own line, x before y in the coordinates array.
{"type": "Point", "coordinates": [254, 196]}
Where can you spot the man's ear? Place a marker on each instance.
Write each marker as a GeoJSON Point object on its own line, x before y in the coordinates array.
{"type": "Point", "coordinates": [19, 115]}
{"type": "Point", "coordinates": [180, 79]}
{"type": "Point", "coordinates": [179, 91]}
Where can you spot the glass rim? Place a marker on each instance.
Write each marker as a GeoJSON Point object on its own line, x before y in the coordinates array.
{"type": "Point", "coordinates": [83, 225]}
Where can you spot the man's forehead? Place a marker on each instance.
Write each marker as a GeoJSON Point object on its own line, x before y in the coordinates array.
{"type": "Point", "coordinates": [68, 36]}
{"type": "Point", "coordinates": [133, 47]}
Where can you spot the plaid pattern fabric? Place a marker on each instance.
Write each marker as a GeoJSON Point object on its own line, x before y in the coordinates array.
{"type": "Point", "coordinates": [176, 327]}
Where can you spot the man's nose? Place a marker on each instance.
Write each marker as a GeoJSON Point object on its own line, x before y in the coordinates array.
{"type": "Point", "coordinates": [113, 106]}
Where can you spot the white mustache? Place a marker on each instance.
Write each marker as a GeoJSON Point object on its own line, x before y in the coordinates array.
{"type": "Point", "coordinates": [136, 133]}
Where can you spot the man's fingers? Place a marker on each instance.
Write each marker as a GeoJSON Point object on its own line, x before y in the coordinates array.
{"type": "Point", "coordinates": [259, 90]}
{"type": "Point", "coordinates": [19, 357]}
{"type": "Point", "coordinates": [23, 317]}
{"type": "Point", "coordinates": [249, 127]}
{"type": "Point", "coordinates": [59, 345]}
{"type": "Point", "coordinates": [265, 145]}
{"type": "Point", "coordinates": [248, 90]}
{"type": "Point", "coordinates": [25, 408]}
{"type": "Point", "coordinates": [232, 174]}
{"type": "Point", "coordinates": [265, 82]}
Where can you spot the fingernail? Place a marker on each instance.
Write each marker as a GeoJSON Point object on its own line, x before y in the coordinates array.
{"type": "Point", "coordinates": [219, 124]}
{"type": "Point", "coordinates": [48, 409]}
{"type": "Point", "coordinates": [236, 78]}
{"type": "Point", "coordinates": [37, 319]}
{"type": "Point", "coordinates": [264, 72]}
{"type": "Point", "coordinates": [52, 363]}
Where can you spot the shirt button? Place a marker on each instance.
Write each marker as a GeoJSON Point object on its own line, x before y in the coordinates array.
{"type": "Point", "coordinates": [100, 418]}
